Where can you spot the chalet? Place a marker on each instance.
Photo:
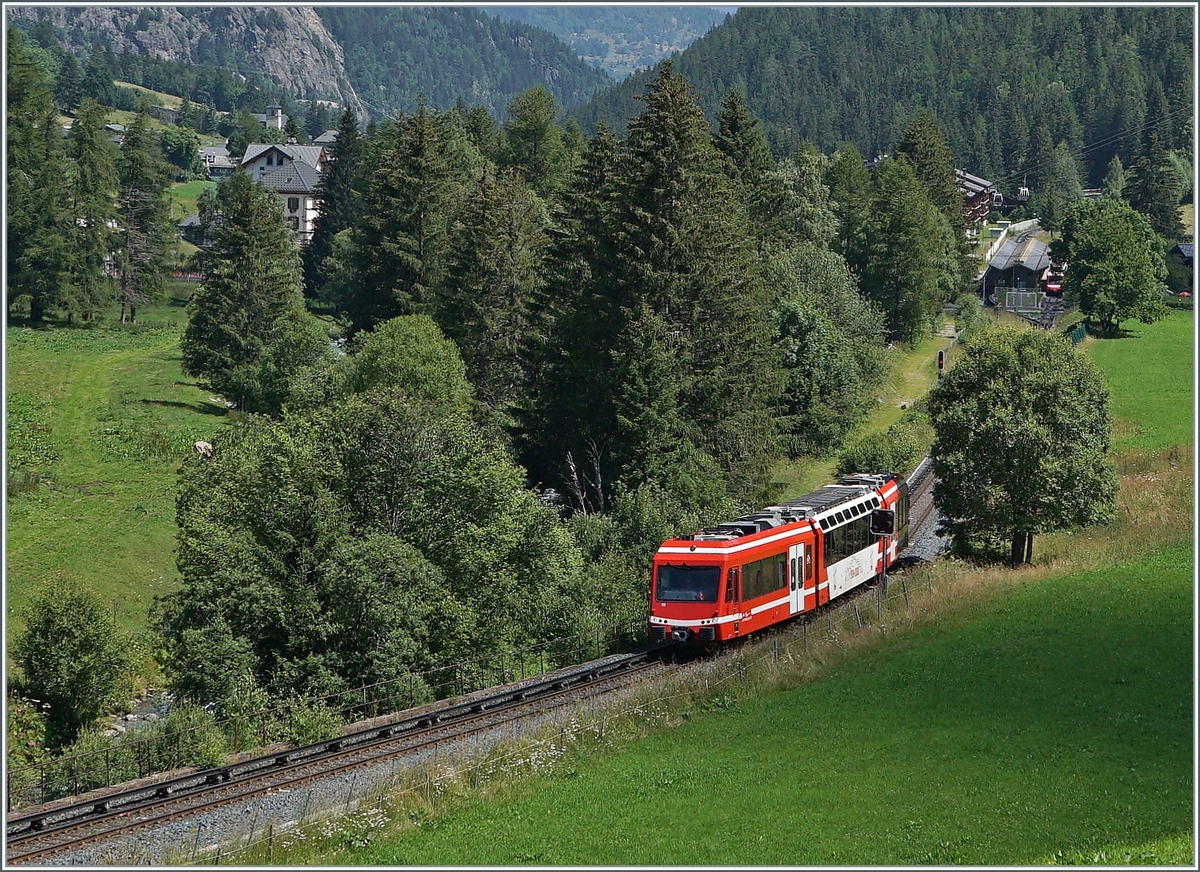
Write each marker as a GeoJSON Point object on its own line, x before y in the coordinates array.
{"type": "Point", "coordinates": [217, 162]}
{"type": "Point", "coordinates": [1020, 264]}
{"type": "Point", "coordinates": [328, 138]}
{"type": "Point", "coordinates": [1184, 251]}
{"type": "Point", "coordinates": [293, 172]}
{"type": "Point", "coordinates": [979, 196]}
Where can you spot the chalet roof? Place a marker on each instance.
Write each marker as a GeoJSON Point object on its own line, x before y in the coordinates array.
{"type": "Point", "coordinates": [293, 178]}
{"type": "Point", "coordinates": [329, 137]}
{"type": "Point", "coordinates": [1185, 249]}
{"type": "Point", "coordinates": [1025, 251]}
{"type": "Point", "coordinates": [307, 154]}
{"type": "Point", "coordinates": [971, 184]}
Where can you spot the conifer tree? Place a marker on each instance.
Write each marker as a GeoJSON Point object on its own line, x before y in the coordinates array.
{"type": "Point", "coordinates": [92, 184]}
{"type": "Point", "coordinates": [1154, 187]}
{"type": "Point", "coordinates": [1113, 187]}
{"type": "Point", "coordinates": [901, 255]}
{"type": "Point", "coordinates": [533, 141]}
{"type": "Point", "coordinates": [849, 184]}
{"type": "Point", "coordinates": [249, 308]}
{"type": "Point", "coordinates": [339, 202]}
{"type": "Point", "coordinates": [417, 182]}
{"type": "Point", "coordinates": [68, 84]}
{"type": "Point", "coordinates": [668, 255]}
{"type": "Point", "coordinates": [145, 216]}
{"type": "Point", "coordinates": [495, 274]}
{"type": "Point", "coordinates": [38, 224]}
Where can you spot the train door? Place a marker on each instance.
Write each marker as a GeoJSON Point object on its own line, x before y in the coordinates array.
{"type": "Point", "coordinates": [796, 563]}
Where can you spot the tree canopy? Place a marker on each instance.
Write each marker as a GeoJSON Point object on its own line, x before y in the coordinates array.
{"type": "Point", "coordinates": [1022, 431]}
{"type": "Point", "coordinates": [1115, 267]}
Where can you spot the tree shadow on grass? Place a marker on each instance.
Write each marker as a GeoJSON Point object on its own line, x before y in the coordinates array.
{"type": "Point", "coordinates": [203, 408]}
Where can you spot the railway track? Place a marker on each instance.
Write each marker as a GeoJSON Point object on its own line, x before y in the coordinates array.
{"type": "Point", "coordinates": [39, 834]}
{"type": "Point", "coordinates": [921, 508]}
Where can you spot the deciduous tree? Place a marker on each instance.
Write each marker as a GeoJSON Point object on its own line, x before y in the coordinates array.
{"type": "Point", "coordinates": [1115, 267]}
{"type": "Point", "coordinates": [1022, 431]}
{"type": "Point", "coordinates": [73, 657]}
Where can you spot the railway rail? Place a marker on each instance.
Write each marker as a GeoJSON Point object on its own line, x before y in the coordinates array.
{"type": "Point", "coordinates": [41, 833]}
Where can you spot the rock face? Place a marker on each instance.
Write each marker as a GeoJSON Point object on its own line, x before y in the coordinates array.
{"type": "Point", "coordinates": [289, 45]}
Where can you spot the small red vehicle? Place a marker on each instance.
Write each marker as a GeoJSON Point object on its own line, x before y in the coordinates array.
{"type": "Point", "coordinates": [755, 571]}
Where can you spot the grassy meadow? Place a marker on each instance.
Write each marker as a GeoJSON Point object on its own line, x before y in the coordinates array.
{"type": "Point", "coordinates": [1029, 717]}
{"type": "Point", "coordinates": [97, 422]}
{"type": "Point", "coordinates": [1149, 371]}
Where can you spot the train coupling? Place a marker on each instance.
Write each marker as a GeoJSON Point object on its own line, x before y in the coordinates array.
{"type": "Point", "coordinates": [680, 634]}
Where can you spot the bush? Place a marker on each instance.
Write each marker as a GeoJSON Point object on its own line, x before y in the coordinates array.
{"type": "Point", "coordinates": [900, 449]}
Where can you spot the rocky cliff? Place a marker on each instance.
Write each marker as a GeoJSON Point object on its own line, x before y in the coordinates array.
{"type": "Point", "coordinates": [288, 45]}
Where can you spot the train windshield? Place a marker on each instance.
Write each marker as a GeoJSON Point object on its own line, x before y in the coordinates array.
{"type": "Point", "coordinates": [687, 584]}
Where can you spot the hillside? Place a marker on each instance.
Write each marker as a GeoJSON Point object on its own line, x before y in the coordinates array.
{"type": "Point", "coordinates": [1002, 718]}
{"type": "Point", "coordinates": [995, 79]}
{"type": "Point", "coordinates": [619, 39]}
{"type": "Point", "coordinates": [377, 60]}
{"type": "Point", "coordinates": [450, 54]}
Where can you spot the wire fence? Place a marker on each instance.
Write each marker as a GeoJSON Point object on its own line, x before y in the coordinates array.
{"type": "Point", "coordinates": [134, 756]}
{"type": "Point", "coordinates": [408, 793]}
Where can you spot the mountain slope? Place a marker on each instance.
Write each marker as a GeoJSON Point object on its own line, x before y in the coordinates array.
{"type": "Point", "coordinates": [990, 76]}
{"type": "Point", "coordinates": [447, 54]}
{"type": "Point", "coordinates": [378, 60]}
{"type": "Point", "coordinates": [288, 46]}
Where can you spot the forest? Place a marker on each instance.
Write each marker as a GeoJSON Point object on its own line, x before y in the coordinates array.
{"type": "Point", "coordinates": [553, 352]}
{"type": "Point", "coordinates": [1006, 85]}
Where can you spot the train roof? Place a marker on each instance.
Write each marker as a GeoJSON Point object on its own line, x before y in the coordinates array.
{"type": "Point", "coordinates": [811, 507]}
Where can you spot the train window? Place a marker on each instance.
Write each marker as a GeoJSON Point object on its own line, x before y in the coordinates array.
{"type": "Point", "coordinates": [794, 576]}
{"type": "Point", "coordinates": [687, 584]}
{"type": "Point", "coordinates": [808, 564]}
{"type": "Point", "coordinates": [764, 576]}
{"type": "Point", "coordinates": [731, 586]}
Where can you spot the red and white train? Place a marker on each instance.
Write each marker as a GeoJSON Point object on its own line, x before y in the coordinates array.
{"type": "Point", "coordinates": [758, 570]}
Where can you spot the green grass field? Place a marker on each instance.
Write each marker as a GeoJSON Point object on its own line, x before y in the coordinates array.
{"type": "Point", "coordinates": [1038, 727]}
{"type": "Point", "coordinates": [1149, 373]}
{"type": "Point", "coordinates": [98, 420]}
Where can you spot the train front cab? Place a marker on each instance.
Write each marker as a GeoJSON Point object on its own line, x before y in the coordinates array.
{"type": "Point", "coordinates": [689, 601]}
{"type": "Point", "coordinates": [711, 598]}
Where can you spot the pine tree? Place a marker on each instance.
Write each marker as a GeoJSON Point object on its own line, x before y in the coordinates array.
{"type": "Point", "coordinates": [741, 142]}
{"type": "Point", "coordinates": [416, 187]}
{"type": "Point", "coordinates": [250, 297]}
{"type": "Point", "coordinates": [1113, 187]}
{"type": "Point", "coordinates": [68, 85]}
{"type": "Point", "coordinates": [904, 254]}
{"type": "Point", "coordinates": [495, 274]}
{"type": "Point", "coordinates": [145, 215]}
{"type": "Point", "coordinates": [339, 203]}
{"type": "Point", "coordinates": [92, 185]}
{"type": "Point", "coordinates": [683, 252]}
{"type": "Point", "coordinates": [925, 147]}
{"type": "Point", "coordinates": [533, 142]}
{"type": "Point", "coordinates": [1154, 187]}
{"type": "Point", "coordinates": [38, 224]}
{"type": "Point", "coordinates": [98, 79]}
